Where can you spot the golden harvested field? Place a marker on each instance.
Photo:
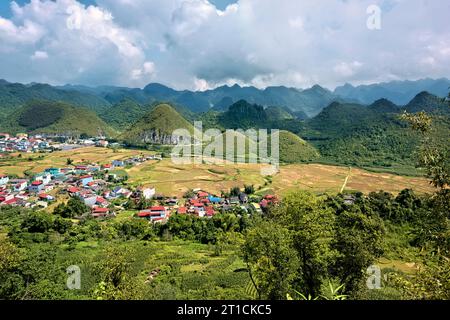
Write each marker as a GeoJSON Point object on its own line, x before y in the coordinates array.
{"type": "Point", "coordinates": [323, 178]}
{"type": "Point", "coordinates": [171, 179]}
{"type": "Point", "coordinates": [175, 180]}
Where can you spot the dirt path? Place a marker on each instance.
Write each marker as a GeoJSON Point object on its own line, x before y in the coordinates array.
{"type": "Point", "coordinates": [346, 180]}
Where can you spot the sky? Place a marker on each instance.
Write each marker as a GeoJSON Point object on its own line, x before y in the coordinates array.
{"type": "Point", "coordinates": [201, 44]}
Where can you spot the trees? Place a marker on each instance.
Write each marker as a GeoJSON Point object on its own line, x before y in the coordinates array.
{"type": "Point", "coordinates": [250, 189]}
{"type": "Point", "coordinates": [359, 242]}
{"type": "Point", "coordinates": [312, 227]}
{"type": "Point", "coordinates": [433, 154]}
{"type": "Point", "coordinates": [75, 207]}
{"type": "Point", "coordinates": [307, 228]}
{"type": "Point", "coordinates": [433, 225]}
{"type": "Point", "coordinates": [37, 222]}
{"type": "Point", "coordinates": [133, 229]}
{"type": "Point", "coordinates": [116, 280]}
{"type": "Point", "coordinates": [327, 245]}
{"type": "Point", "coordinates": [235, 191]}
{"type": "Point", "coordinates": [271, 260]}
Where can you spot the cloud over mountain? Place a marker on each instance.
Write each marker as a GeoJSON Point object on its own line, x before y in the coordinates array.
{"type": "Point", "coordinates": [193, 44]}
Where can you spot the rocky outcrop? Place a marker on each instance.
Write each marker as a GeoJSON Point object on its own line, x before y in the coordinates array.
{"type": "Point", "coordinates": [156, 137]}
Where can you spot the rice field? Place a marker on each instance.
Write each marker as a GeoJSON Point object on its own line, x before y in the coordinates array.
{"type": "Point", "coordinates": [175, 180]}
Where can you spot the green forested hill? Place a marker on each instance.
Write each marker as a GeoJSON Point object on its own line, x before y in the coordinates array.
{"type": "Point", "coordinates": [243, 115]}
{"type": "Point", "coordinates": [15, 95]}
{"type": "Point", "coordinates": [124, 113]}
{"type": "Point", "coordinates": [40, 116]}
{"type": "Point", "coordinates": [429, 103]}
{"type": "Point", "coordinates": [279, 113]}
{"type": "Point", "coordinates": [371, 136]}
{"type": "Point", "coordinates": [156, 126]}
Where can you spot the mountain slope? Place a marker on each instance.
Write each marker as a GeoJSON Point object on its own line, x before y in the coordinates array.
{"type": "Point", "coordinates": [156, 127]}
{"type": "Point", "coordinates": [293, 149]}
{"type": "Point", "coordinates": [15, 95]}
{"type": "Point", "coordinates": [279, 113]}
{"type": "Point", "coordinates": [244, 115]}
{"type": "Point", "coordinates": [429, 103]}
{"type": "Point", "coordinates": [399, 92]}
{"type": "Point", "coordinates": [48, 117]}
{"type": "Point", "coordinates": [370, 136]}
{"type": "Point", "coordinates": [124, 113]}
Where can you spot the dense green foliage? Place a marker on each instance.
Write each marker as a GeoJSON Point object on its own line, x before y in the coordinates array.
{"type": "Point", "coordinates": [48, 114]}
{"type": "Point", "coordinates": [302, 245]}
{"type": "Point", "coordinates": [41, 116]}
{"type": "Point", "coordinates": [368, 136]}
{"type": "Point", "coordinates": [124, 113]}
{"type": "Point", "coordinates": [15, 95]}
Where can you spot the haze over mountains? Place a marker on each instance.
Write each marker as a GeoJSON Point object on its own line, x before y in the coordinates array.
{"type": "Point", "coordinates": [309, 102]}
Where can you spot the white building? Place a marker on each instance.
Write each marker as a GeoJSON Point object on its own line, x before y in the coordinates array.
{"type": "Point", "coordinates": [148, 193]}
{"type": "Point", "coordinates": [3, 180]}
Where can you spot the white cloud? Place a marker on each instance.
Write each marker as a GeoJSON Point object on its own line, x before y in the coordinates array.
{"type": "Point", "coordinates": [39, 55]}
{"type": "Point", "coordinates": [191, 44]}
{"type": "Point", "coordinates": [346, 70]}
{"type": "Point", "coordinates": [201, 85]}
{"type": "Point", "coordinates": [147, 71]}
{"type": "Point", "coordinates": [296, 23]}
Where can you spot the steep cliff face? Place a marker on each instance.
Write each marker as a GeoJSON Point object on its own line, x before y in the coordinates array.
{"type": "Point", "coordinates": [157, 137]}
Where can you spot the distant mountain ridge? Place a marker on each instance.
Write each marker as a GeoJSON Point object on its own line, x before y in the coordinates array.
{"type": "Point", "coordinates": [399, 92]}
{"type": "Point", "coordinates": [14, 95]}
{"type": "Point", "coordinates": [301, 102]}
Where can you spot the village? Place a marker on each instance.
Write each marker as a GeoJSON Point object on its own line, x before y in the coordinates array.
{"type": "Point", "coordinates": [104, 191]}
{"type": "Point", "coordinates": [46, 143]}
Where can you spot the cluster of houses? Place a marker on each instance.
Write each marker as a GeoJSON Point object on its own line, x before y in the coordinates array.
{"type": "Point", "coordinates": [94, 184]}
{"type": "Point", "coordinates": [23, 143]}
{"type": "Point", "coordinates": [203, 204]}
{"type": "Point", "coordinates": [98, 194]}
{"type": "Point", "coordinates": [47, 143]}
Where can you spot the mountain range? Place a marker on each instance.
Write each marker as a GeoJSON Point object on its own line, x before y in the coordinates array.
{"type": "Point", "coordinates": [399, 92]}
{"type": "Point", "coordinates": [342, 131]}
{"type": "Point", "coordinates": [302, 103]}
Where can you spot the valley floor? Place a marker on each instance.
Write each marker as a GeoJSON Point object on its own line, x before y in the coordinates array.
{"type": "Point", "coordinates": [174, 180]}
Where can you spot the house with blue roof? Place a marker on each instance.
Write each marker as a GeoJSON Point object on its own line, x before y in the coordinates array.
{"type": "Point", "coordinates": [215, 200]}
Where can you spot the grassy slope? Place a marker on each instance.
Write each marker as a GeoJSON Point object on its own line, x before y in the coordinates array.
{"type": "Point", "coordinates": [163, 118]}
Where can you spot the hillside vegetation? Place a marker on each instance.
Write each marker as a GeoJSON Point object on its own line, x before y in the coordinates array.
{"type": "Point", "coordinates": [47, 117]}
{"type": "Point", "coordinates": [156, 126]}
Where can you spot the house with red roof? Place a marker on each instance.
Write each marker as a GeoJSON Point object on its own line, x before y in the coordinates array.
{"type": "Point", "coordinates": [45, 197]}
{"type": "Point", "coordinates": [203, 194]}
{"type": "Point", "coordinates": [210, 211]}
{"type": "Point", "coordinates": [154, 213]}
{"type": "Point", "coordinates": [100, 212]}
{"type": "Point", "coordinates": [36, 187]}
{"type": "Point", "coordinates": [73, 191]}
{"type": "Point", "coordinates": [9, 202]}
{"type": "Point", "coordinates": [182, 210]}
